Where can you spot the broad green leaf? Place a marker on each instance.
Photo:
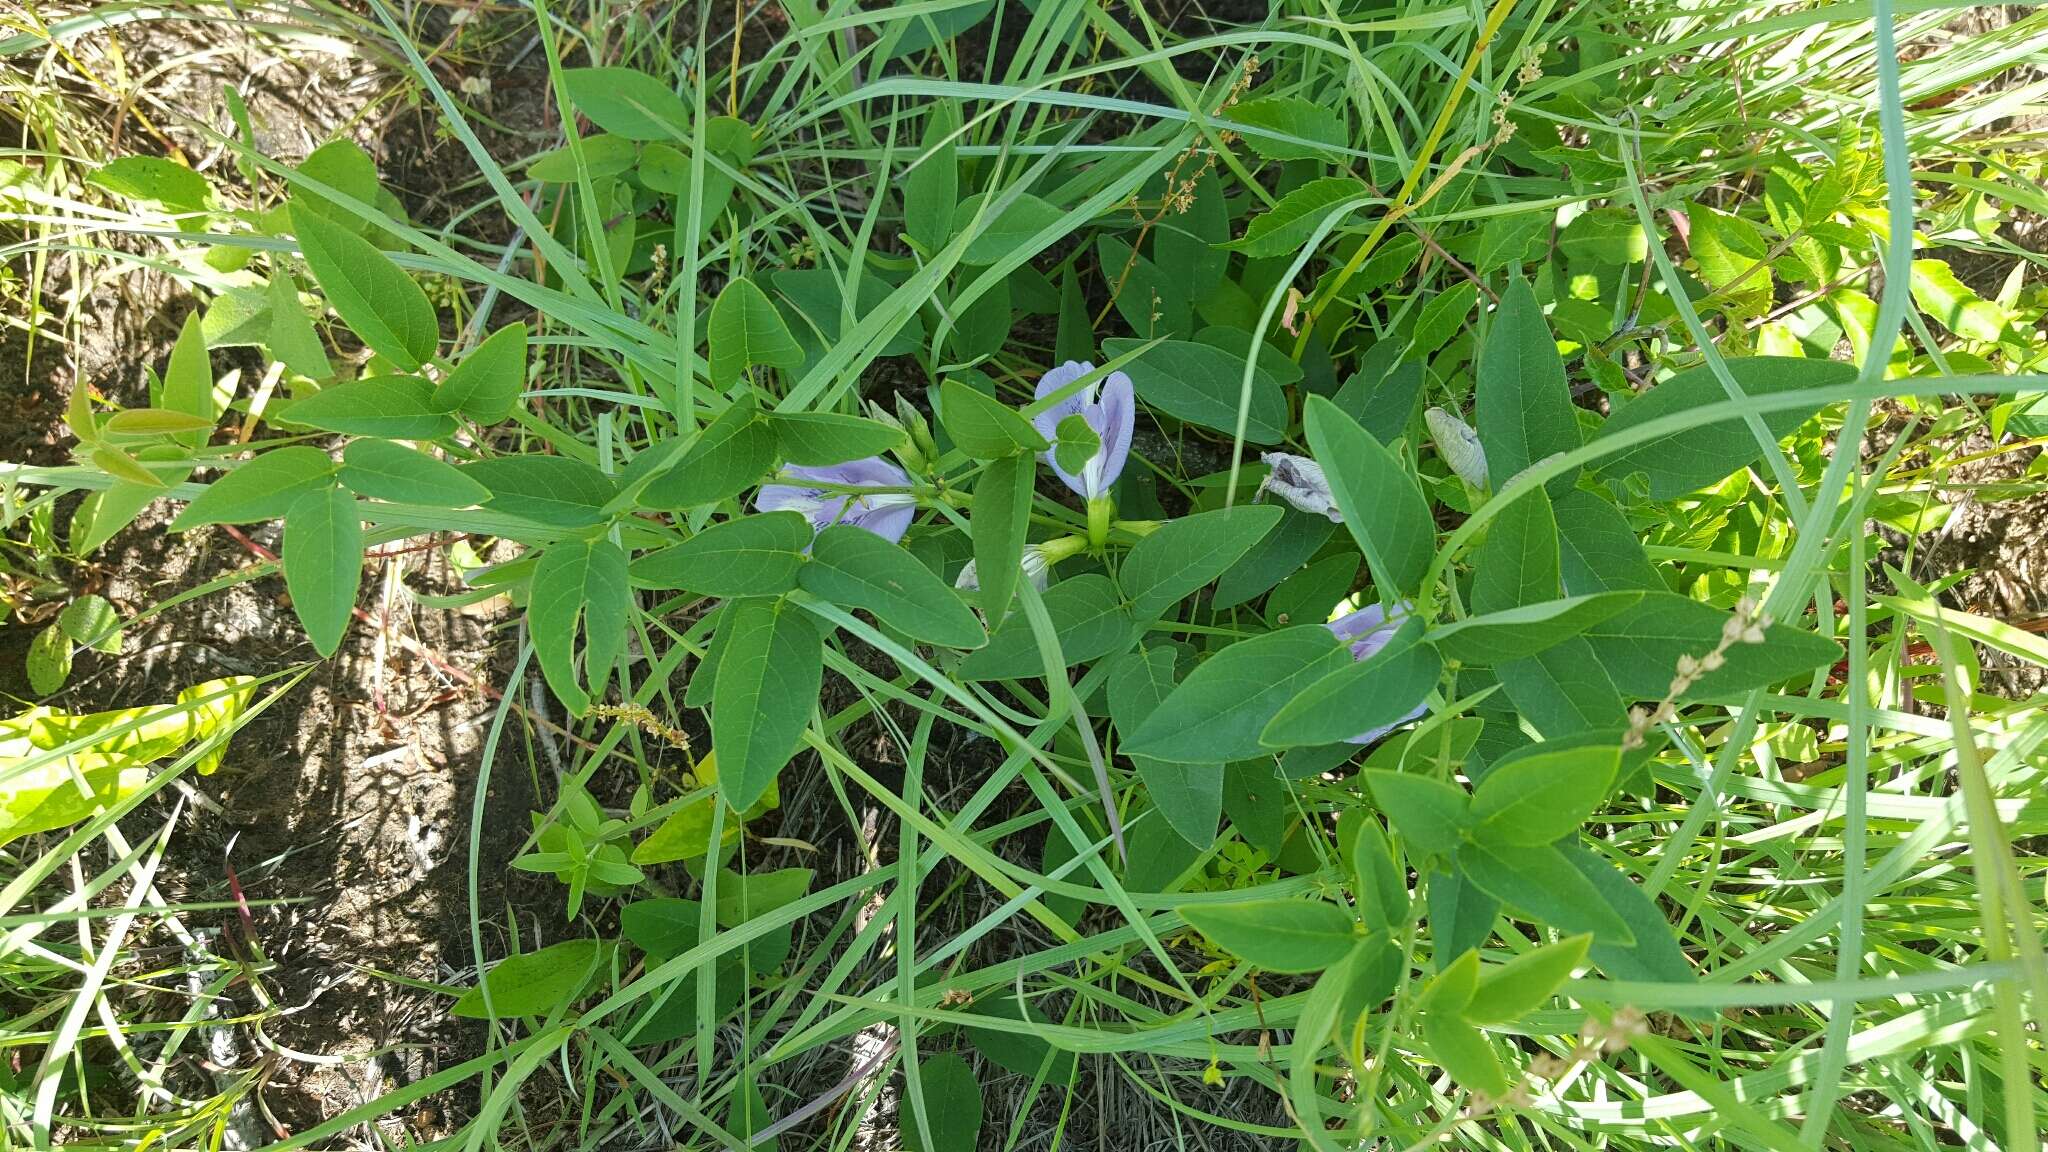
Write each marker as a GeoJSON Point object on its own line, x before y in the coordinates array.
{"type": "Point", "coordinates": [1655, 955]}
{"type": "Point", "coordinates": [1382, 887]}
{"type": "Point", "coordinates": [1000, 522]}
{"type": "Point", "coordinates": [102, 515]}
{"type": "Point", "coordinates": [1277, 935]}
{"type": "Point", "coordinates": [264, 488]}
{"type": "Point", "coordinates": [323, 563]}
{"type": "Point", "coordinates": [1089, 619]}
{"type": "Point", "coordinates": [932, 189]}
{"type": "Point", "coordinates": [982, 426]}
{"type": "Point", "coordinates": [603, 155]}
{"type": "Point", "coordinates": [1539, 881]}
{"type": "Point", "coordinates": [486, 384]}
{"type": "Point", "coordinates": [667, 171]}
{"type": "Point", "coordinates": [48, 661]}
{"type": "Point", "coordinates": [769, 669]}
{"type": "Point", "coordinates": [1186, 553]}
{"type": "Point", "coordinates": [1282, 229]}
{"type": "Point", "coordinates": [1259, 804]}
{"type": "Point", "coordinates": [1189, 796]}
{"type": "Point", "coordinates": [1562, 689]}
{"type": "Point", "coordinates": [93, 622]}
{"type": "Point", "coordinates": [1005, 231]}
{"type": "Point", "coordinates": [188, 381]}
{"type": "Point", "coordinates": [1200, 383]}
{"type": "Point", "coordinates": [814, 302]}
{"type": "Point", "coordinates": [663, 928]}
{"type": "Point", "coordinates": [1147, 297]}
{"type": "Point", "coordinates": [1451, 988]}
{"type": "Point", "coordinates": [579, 586]}
{"type": "Point", "coordinates": [817, 438]}
{"type": "Point", "coordinates": [1732, 258]}
{"type": "Point", "coordinates": [1296, 129]}
{"type": "Point", "coordinates": [1682, 462]}
{"type": "Point", "coordinates": [855, 568]}
{"type": "Point", "coordinates": [1382, 400]}
{"type": "Point", "coordinates": [1218, 712]}
{"type": "Point", "coordinates": [1518, 564]}
{"type": "Point", "coordinates": [1184, 243]}
{"type": "Point", "coordinates": [394, 407]}
{"type": "Point", "coordinates": [1510, 991]}
{"type": "Point", "coordinates": [1282, 552]}
{"type": "Point", "coordinates": [292, 337]}
{"type": "Point", "coordinates": [1959, 309]}
{"type": "Point", "coordinates": [1540, 794]}
{"type": "Point", "coordinates": [1460, 915]}
{"type": "Point", "coordinates": [381, 470]}
{"type": "Point", "coordinates": [745, 330]}
{"type": "Point", "coordinates": [1440, 319]}
{"type": "Point", "coordinates": [343, 166]}
{"type": "Point", "coordinates": [1018, 1052]}
{"type": "Point", "coordinates": [1382, 506]}
{"type": "Point", "coordinates": [1597, 550]}
{"type": "Point", "coordinates": [1513, 633]}
{"type": "Point", "coordinates": [628, 102]}
{"type": "Point", "coordinates": [952, 1111]}
{"type": "Point", "coordinates": [145, 423]}
{"type": "Point", "coordinates": [1426, 812]}
{"type": "Point", "coordinates": [1505, 241]}
{"type": "Point", "coordinates": [1640, 646]}
{"type": "Point", "coordinates": [731, 455]}
{"type": "Point", "coordinates": [750, 556]}
{"type": "Point", "coordinates": [551, 490]}
{"type": "Point", "coordinates": [1360, 696]}
{"type": "Point", "coordinates": [372, 295]}
{"type": "Point", "coordinates": [1604, 238]}
{"type": "Point", "coordinates": [170, 184]}
{"type": "Point", "coordinates": [1077, 442]}
{"type": "Point", "coordinates": [1523, 405]}
{"type": "Point", "coordinates": [534, 983]}
{"type": "Point", "coordinates": [747, 897]}
{"type": "Point", "coordinates": [1463, 1051]}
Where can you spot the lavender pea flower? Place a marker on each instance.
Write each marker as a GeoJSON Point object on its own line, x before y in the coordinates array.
{"type": "Point", "coordinates": [886, 514]}
{"type": "Point", "coordinates": [1109, 406]}
{"type": "Point", "coordinates": [1367, 631]}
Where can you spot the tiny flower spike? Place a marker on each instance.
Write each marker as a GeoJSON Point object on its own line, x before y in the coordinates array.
{"type": "Point", "coordinates": [1299, 481]}
{"type": "Point", "coordinates": [886, 514]}
{"type": "Point", "coordinates": [1367, 631]}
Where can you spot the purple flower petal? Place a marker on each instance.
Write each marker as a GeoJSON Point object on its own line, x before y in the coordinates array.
{"type": "Point", "coordinates": [886, 514]}
{"type": "Point", "coordinates": [1110, 408]}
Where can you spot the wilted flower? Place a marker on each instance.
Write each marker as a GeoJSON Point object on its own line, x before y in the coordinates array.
{"type": "Point", "coordinates": [886, 514]}
{"type": "Point", "coordinates": [1367, 631]}
{"type": "Point", "coordinates": [1109, 406]}
{"type": "Point", "coordinates": [1459, 446]}
{"type": "Point", "coordinates": [1036, 569]}
{"type": "Point", "coordinates": [1300, 482]}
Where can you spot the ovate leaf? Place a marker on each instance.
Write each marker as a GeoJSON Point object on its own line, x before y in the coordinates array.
{"type": "Point", "coordinates": [1277, 935]}
{"type": "Point", "coordinates": [745, 330]}
{"type": "Point", "coordinates": [1382, 505]}
{"type": "Point", "coordinates": [534, 983]}
{"type": "Point", "coordinates": [855, 568]}
{"type": "Point", "coordinates": [1293, 128]}
{"type": "Point", "coordinates": [1186, 553]}
{"type": "Point", "coordinates": [1001, 519]}
{"type": "Point", "coordinates": [1282, 229]}
{"type": "Point", "coordinates": [1201, 384]}
{"type": "Point", "coordinates": [262, 489]}
{"type": "Point", "coordinates": [817, 438]}
{"type": "Point", "coordinates": [770, 665]}
{"type": "Point", "coordinates": [1219, 711]}
{"type": "Point", "coordinates": [628, 102]}
{"type": "Point", "coordinates": [1522, 403]}
{"type": "Point", "coordinates": [1541, 794]}
{"type": "Point", "coordinates": [323, 563]}
{"type": "Point", "coordinates": [395, 407]}
{"type": "Point", "coordinates": [372, 295]}
{"type": "Point", "coordinates": [487, 382]}
{"type": "Point", "coordinates": [750, 556]}
{"type": "Point", "coordinates": [732, 453]}
{"type": "Point", "coordinates": [382, 470]}
{"type": "Point", "coordinates": [1703, 452]}
{"type": "Point", "coordinates": [551, 490]}
{"type": "Point", "coordinates": [1507, 992]}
